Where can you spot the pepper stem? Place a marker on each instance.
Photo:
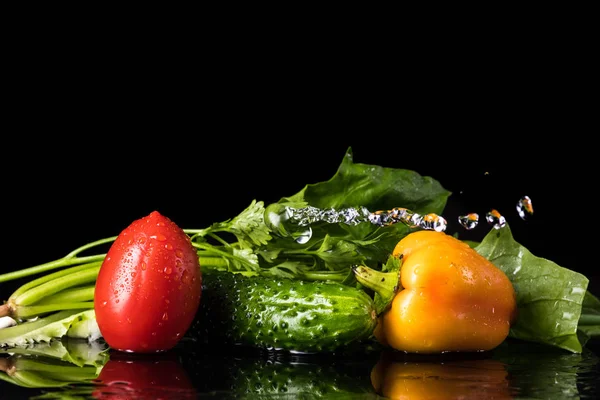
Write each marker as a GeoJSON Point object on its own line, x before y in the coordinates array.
{"type": "Point", "coordinates": [384, 284]}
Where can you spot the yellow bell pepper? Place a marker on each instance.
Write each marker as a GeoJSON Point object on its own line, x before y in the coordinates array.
{"type": "Point", "coordinates": [448, 297]}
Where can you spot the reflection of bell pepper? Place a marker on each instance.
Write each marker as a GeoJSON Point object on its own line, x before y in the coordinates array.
{"type": "Point", "coordinates": [430, 379]}
{"type": "Point", "coordinates": [447, 298]}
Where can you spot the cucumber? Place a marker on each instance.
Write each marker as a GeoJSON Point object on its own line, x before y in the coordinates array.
{"type": "Point", "coordinates": [281, 314]}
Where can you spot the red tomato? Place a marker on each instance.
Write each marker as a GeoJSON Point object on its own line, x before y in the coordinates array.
{"type": "Point", "coordinates": [149, 286]}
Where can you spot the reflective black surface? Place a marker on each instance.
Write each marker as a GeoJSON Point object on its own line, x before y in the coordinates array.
{"type": "Point", "coordinates": [514, 370]}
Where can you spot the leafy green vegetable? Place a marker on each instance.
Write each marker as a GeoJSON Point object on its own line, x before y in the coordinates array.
{"type": "Point", "coordinates": [549, 297]}
{"type": "Point", "coordinates": [56, 325]}
{"type": "Point", "coordinates": [333, 247]}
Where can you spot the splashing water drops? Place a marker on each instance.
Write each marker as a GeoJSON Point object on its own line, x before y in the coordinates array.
{"type": "Point", "coordinates": [524, 207]}
{"type": "Point", "coordinates": [494, 218]}
{"type": "Point", "coordinates": [469, 221]}
{"type": "Point", "coordinates": [296, 221]}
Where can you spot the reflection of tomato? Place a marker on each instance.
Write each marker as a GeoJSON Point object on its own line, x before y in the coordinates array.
{"type": "Point", "coordinates": [129, 376]}
{"type": "Point", "coordinates": [149, 286]}
{"type": "Point", "coordinates": [429, 379]}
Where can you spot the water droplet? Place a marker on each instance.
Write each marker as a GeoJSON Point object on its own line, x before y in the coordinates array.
{"type": "Point", "coordinates": [495, 219]}
{"type": "Point", "coordinates": [577, 290]}
{"type": "Point", "coordinates": [524, 207]}
{"type": "Point", "coordinates": [434, 222]}
{"type": "Point", "coordinates": [469, 221]}
{"type": "Point", "coordinates": [169, 246]}
{"type": "Point", "coordinates": [143, 266]}
{"type": "Point", "coordinates": [142, 240]}
{"type": "Point", "coordinates": [303, 237]}
{"type": "Point", "coordinates": [104, 303]}
{"type": "Point", "coordinates": [416, 270]}
{"type": "Point", "coordinates": [165, 316]}
{"type": "Point", "coordinates": [168, 270]}
{"type": "Point", "coordinates": [179, 253]}
{"type": "Point", "coordinates": [567, 315]}
{"type": "Point", "coordinates": [160, 237]}
{"type": "Point", "coordinates": [185, 277]}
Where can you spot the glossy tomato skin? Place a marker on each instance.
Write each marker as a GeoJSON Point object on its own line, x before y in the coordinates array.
{"type": "Point", "coordinates": [149, 286]}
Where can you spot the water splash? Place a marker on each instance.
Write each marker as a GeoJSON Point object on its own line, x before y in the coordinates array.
{"type": "Point", "coordinates": [295, 222]}
{"type": "Point", "coordinates": [495, 219]}
{"type": "Point", "coordinates": [524, 207]}
{"type": "Point", "coordinates": [469, 221]}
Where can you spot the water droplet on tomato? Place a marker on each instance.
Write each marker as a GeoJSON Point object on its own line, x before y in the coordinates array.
{"type": "Point", "coordinates": [143, 265]}
{"type": "Point", "coordinates": [104, 303]}
{"type": "Point", "coordinates": [168, 270]}
{"type": "Point", "coordinates": [165, 317]}
{"type": "Point", "coordinates": [416, 271]}
{"type": "Point", "coordinates": [169, 246]}
{"type": "Point", "coordinates": [185, 277]}
{"type": "Point", "coordinates": [142, 240]}
{"type": "Point", "coordinates": [179, 253]}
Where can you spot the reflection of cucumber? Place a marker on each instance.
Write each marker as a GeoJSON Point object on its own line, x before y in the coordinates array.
{"type": "Point", "coordinates": [298, 379]}
{"type": "Point", "coordinates": [237, 373]}
{"type": "Point", "coordinates": [282, 313]}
